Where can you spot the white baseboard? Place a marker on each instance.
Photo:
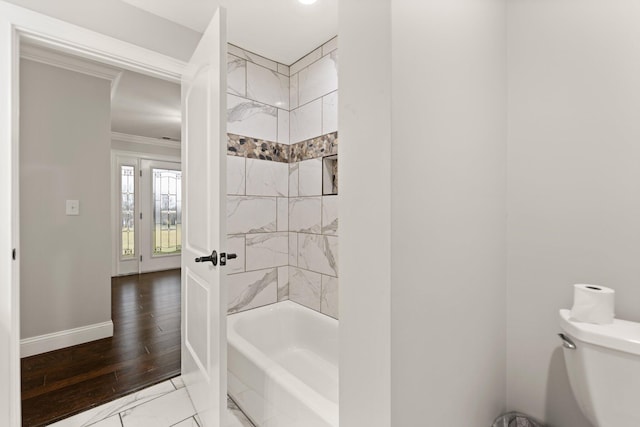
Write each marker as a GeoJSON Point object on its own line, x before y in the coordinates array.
{"type": "Point", "coordinates": [57, 340]}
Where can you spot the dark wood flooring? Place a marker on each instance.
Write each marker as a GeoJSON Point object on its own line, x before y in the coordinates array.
{"type": "Point", "coordinates": [144, 350]}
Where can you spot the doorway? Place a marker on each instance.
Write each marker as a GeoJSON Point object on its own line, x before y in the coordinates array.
{"type": "Point", "coordinates": [88, 338]}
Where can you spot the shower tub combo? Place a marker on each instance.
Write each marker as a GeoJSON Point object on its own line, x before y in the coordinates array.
{"type": "Point", "coordinates": [283, 365]}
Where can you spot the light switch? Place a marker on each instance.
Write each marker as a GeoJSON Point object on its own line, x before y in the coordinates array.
{"type": "Point", "coordinates": [73, 207]}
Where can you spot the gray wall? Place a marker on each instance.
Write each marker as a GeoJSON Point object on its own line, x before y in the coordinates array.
{"type": "Point", "coordinates": [574, 182]}
{"type": "Point", "coordinates": [448, 214]}
{"type": "Point", "coordinates": [65, 137]}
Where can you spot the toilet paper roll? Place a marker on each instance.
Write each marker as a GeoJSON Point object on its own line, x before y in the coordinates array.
{"type": "Point", "coordinates": [593, 304]}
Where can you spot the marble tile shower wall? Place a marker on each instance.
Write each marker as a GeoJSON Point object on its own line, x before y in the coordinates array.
{"type": "Point", "coordinates": [257, 96]}
{"type": "Point", "coordinates": [281, 226]}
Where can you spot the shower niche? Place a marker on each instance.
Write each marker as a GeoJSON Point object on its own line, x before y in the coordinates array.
{"type": "Point", "coordinates": [330, 175]}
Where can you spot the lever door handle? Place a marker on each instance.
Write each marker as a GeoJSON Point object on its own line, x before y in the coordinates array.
{"type": "Point", "coordinates": [213, 258]}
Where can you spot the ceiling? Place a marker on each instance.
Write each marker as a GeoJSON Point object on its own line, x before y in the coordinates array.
{"type": "Point", "coordinates": [140, 105]}
{"type": "Point", "coordinates": [281, 30]}
{"type": "Point", "coordinates": [146, 106]}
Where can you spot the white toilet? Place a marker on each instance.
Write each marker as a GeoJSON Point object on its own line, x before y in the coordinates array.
{"type": "Point", "coordinates": [603, 362]}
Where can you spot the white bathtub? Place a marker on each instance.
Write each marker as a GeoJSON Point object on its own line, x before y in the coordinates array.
{"type": "Point", "coordinates": [283, 366]}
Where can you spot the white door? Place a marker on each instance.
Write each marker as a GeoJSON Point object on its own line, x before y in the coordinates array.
{"type": "Point", "coordinates": [204, 339]}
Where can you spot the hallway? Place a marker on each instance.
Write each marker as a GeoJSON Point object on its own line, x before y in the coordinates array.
{"type": "Point", "coordinates": [144, 350]}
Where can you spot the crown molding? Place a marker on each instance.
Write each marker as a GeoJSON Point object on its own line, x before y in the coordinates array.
{"type": "Point", "coordinates": [68, 62]}
{"type": "Point", "coordinates": [154, 64]}
{"type": "Point", "coordinates": [136, 139]}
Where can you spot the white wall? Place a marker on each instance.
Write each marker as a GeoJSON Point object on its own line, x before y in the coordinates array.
{"type": "Point", "coordinates": [64, 154]}
{"type": "Point", "coordinates": [574, 182]}
{"type": "Point", "coordinates": [122, 21]}
{"type": "Point", "coordinates": [423, 236]}
{"type": "Point", "coordinates": [448, 213]}
{"type": "Point", "coordinates": [364, 111]}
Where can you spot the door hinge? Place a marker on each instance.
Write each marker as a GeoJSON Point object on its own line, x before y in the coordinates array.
{"type": "Point", "coordinates": [140, 215]}
{"type": "Point", "coordinates": [13, 254]}
{"type": "Point", "coordinates": [141, 173]}
{"type": "Point", "coordinates": [140, 258]}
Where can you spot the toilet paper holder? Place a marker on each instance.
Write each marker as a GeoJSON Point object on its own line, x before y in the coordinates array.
{"type": "Point", "coordinates": [566, 342]}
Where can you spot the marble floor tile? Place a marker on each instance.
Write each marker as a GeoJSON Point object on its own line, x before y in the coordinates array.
{"type": "Point", "coordinates": [164, 411]}
{"type": "Point", "coordinates": [190, 422]}
{"type": "Point", "coordinates": [107, 410]}
{"type": "Point", "coordinates": [164, 405]}
{"type": "Point", "coordinates": [177, 382]}
{"type": "Point", "coordinates": [235, 417]}
{"type": "Point", "coordinates": [113, 421]}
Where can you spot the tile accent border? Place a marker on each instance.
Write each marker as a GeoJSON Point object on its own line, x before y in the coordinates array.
{"type": "Point", "coordinates": [253, 148]}
{"type": "Point", "coordinates": [314, 148]}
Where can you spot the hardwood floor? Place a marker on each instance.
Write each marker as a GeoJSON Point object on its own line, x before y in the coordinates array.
{"type": "Point", "coordinates": [144, 350]}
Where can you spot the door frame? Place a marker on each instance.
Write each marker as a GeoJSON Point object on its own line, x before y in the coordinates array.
{"type": "Point", "coordinates": [17, 24]}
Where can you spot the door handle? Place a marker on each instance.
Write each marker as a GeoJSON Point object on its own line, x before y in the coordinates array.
{"type": "Point", "coordinates": [213, 258]}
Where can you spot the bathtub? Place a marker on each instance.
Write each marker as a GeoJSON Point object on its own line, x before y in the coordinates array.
{"type": "Point", "coordinates": [283, 366]}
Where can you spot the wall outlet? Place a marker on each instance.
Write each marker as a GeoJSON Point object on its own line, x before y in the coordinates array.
{"type": "Point", "coordinates": [73, 207]}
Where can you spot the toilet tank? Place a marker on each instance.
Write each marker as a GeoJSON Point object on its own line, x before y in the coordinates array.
{"type": "Point", "coordinates": [604, 370]}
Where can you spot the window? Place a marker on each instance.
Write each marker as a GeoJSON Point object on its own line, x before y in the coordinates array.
{"type": "Point", "coordinates": [127, 211]}
{"type": "Point", "coordinates": [167, 211]}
